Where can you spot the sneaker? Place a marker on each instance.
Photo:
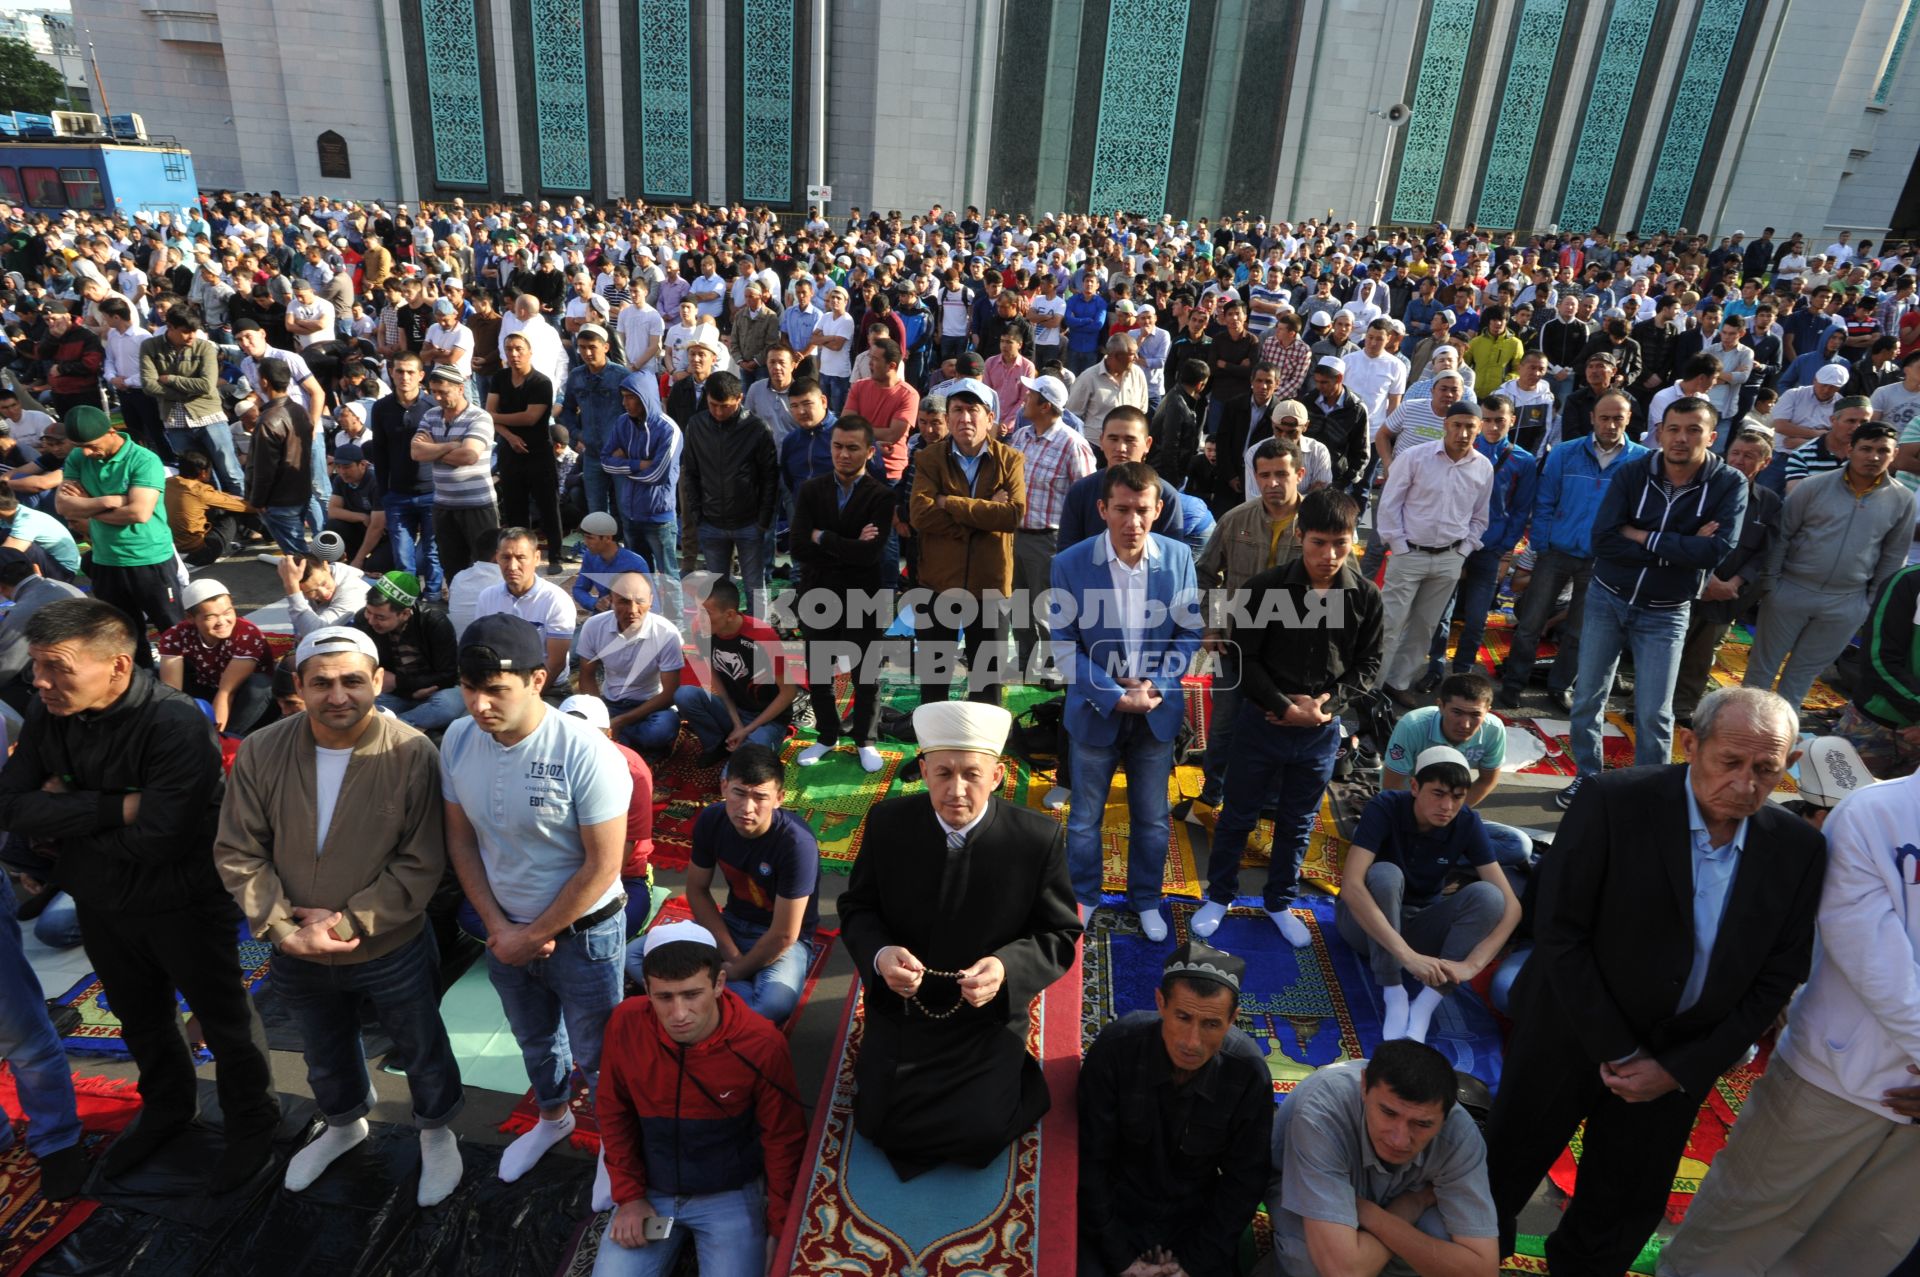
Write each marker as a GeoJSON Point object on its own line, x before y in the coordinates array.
{"type": "Point", "coordinates": [1204, 812]}
{"type": "Point", "coordinates": [1561, 700]}
{"type": "Point", "coordinates": [1564, 799]}
{"type": "Point", "coordinates": [1056, 799]}
{"type": "Point", "coordinates": [1507, 697]}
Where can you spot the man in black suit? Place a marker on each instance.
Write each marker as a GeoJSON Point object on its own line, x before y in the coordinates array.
{"type": "Point", "coordinates": [1675, 918]}
{"type": "Point", "coordinates": [958, 913]}
{"type": "Point", "coordinates": [840, 523]}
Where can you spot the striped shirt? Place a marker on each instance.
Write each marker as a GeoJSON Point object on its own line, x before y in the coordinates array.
{"type": "Point", "coordinates": [466, 487]}
{"type": "Point", "coordinates": [1415, 421]}
{"type": "Point", "coordinates": [1055, 462]}
{"type": "Point", "coordinates": [1811, 459]}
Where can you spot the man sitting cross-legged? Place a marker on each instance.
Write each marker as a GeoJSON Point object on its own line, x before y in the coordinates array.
{"type": "Point", "coordinates": [1407, 845]}
{"type": "Point", "coordinates": [1374, 1165]}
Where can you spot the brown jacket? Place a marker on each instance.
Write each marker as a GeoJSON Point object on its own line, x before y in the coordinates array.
{"type": "Point", "coordinates": [968, 544]}
{"type": "Point", "coordinates": [384, 852]}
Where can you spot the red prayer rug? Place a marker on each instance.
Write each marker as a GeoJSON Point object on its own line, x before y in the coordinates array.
{"type": "Point", "coordinates": [30, 1225]}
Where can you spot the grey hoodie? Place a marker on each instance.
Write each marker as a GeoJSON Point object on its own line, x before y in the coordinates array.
{"type": "Point", "coordinates": [1833, 542]}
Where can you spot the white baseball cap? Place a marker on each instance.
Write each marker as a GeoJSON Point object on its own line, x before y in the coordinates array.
{"type": "Point", "coordinates": [590, 708]}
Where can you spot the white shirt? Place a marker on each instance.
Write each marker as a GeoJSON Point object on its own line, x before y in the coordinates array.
{"type": "Point", "coordinates": [464, 591]}
{"type": "Point", "coordinates": [27, 431]}
{"type": "Point", "coordinates": [1431, 499]}
{"type": "Point", "coordinates": [680, 336]}
{"type": "Point", "coordinates": [1317, 462]}
{"type": "Point", "coordinates": [640, 326]}
{"type": "Point", "coordinates": [458, 340]}
{"type": "Point", "coordinates": [836, 363]}
{"type": "Point", "coordinates": [545, 604]}
{"type": "Point", "coordinates": [123, 358]}
{"type": "Point", "coordinates": [329, 770]}
{"type": "Point", "coordinates": [322, 310]}
{"type": "Point", "coordinates": [1096, 393]}
{"type": "Point", "coordinates": [1799, 407]}
{"type": "Point", "coordinates": [631, 661]}
{"type": "Point", "coordinates": [1373, 381]}
{"type": "Point", "coordinates": [1129, 601]}
{"type": "Point", "coordinates": [715, 285]}
{"type": "Point", "coordinates": [1039, 306]}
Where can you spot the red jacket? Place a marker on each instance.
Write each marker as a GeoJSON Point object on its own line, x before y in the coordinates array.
{"type": "Point", "coordinates": [706, 1118]}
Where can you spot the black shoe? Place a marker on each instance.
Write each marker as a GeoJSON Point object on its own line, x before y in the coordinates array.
{"type": "Point", "coordinates": [715, 756]}
{"type": "Point", "coordinates": [243, 1158]}
{"type": "Point", "coordinates": [1430, 681]}
{"type": "Point", "coordinates": [63, 1173]}
{"type": "Point", "coordinates": [1507, 697]}
{"type": "Point", "coordinates": [142, 1140]}
{"type": "Point", "coordinates": [1564, 799]}
{"type": "Point", "coordinates": [33, 906]}
{"type": "Point", "coordinates": [1562, 700]}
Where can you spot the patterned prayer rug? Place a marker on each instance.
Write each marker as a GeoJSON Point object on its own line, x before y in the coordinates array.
{"type": "Point", "coordinates": [1326, 849]}
{"type": "Point", "coordinates": [1530, 1253]}
{"type": "Point", "coordinates": [1305, 1007]}
{"type": "Point", "coordinates": [1014, 1218]}
{"type": "Point", "coordinates": [30, 1225]}
{"type": "Point", "coordinates": [586, 1129]}
{"type": "Point", "coordinates": [1711, 1126]}
{"type": "Point", "coordinates": [1182, 875]}
{"type": "Point", "coordinates": [834, 796]}
{"type": "Point", "coordinates": [98, 1032]}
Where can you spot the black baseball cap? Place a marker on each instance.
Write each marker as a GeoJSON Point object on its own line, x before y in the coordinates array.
{"type": "Point", "coordinates": [501, 642]}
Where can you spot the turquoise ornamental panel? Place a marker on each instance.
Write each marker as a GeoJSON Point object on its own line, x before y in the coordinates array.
{"type": "Point", "coordinates": [1884, 89]}
{"type": "Point", "coordinates": [560, 94]}
{"type": "Point", "coordinates": [1715, 32]}
{"type": "Point", "coordinates": [1443, 64]}
{"type": "Point", "coordinates": [1536, 45]}
{"type": "Point", "coordinates": [455, 102]}
{"type": "Point", "coordinates": [1139, 97]}
{"type": "Point", "coordinates": [666, 98]}
{"type": "Point", "coordinates": [766, 93]}
{"type": "Point", "coordinates": [1609, 101]}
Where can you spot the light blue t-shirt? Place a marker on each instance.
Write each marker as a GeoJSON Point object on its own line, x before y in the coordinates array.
{"type": "Point", "coordinates": [45, 531]}
{"type": "Point", "coordinates": [527, 804]}
{"type": "Point", "coordinates": [1419, 730]}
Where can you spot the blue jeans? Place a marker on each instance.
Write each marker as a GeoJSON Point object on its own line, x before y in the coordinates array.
{"type": "Point", "coordinates": [216, 440]}
{"type": "Point", "coordinates": [1500, 992]}
{"type": "Point", "coordinates": [1513, 848]}
{"type": "Point", "coordinates": [58, 926]}
{"type": "Point", "coordinates": [1286, 768]}
{"type": "Point", "coordinates": [729, 1232]}
{"type": "Point", "coordinates": [1479, 576]}
{"type": "Point", "coordinates": [410, 527]}
{"type": "Point", "coordinates": [1654, 636]}
{"type": "Point", "coordinates": [442, 709]}
{"type": "Point", "coordinates": [594, 482]}
{"type": "Point", "coordinates": [325, 1003]}
{"type": "Point", "coordinates": [655, 731]}
{"type": "Point", "coordinates": [1078, 361]}
{"type": "Point", "coordinates": [707, 715]}
{"type": "Point", "coordinates": [755, 547]}
{"type": "Point", "coordinates": [1149, 762]}
{"type": "Point", "coordinates": [558, 1006]}
{"type": "Point", "coordinates": [30, 1046]}
{"type": "Point", "coordinates": [659, 545]}
{"type": "Point", "coordinates": [287, 524]}
{"type": "Point", "coordinates": [836, 388]}
{"type": "Point", "coordinates": [320, 483]}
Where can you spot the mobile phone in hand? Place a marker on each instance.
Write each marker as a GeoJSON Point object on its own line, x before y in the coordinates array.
{"type": "Point", "coordinates": [659, 1227]}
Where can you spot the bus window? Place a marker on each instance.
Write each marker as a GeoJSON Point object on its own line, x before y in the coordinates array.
{"type": "Point", "coordinates": [10, 184]}
{"type": "Point", "coordinates": [83, 188]}
{"type": "Point", "coordinates": [43, 187]}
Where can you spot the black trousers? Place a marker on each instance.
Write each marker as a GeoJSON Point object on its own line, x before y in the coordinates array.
{"type": "Point", "coordinates": [1627, 1159]}
{"type": "Point", "coordinates": [985, 632]}
{"type": "Point", "coordinates": [142, 416]}
{"type": "Point", "coordinates": [457, 531]}
{"type": "Point", "coordinates": [221, 538]}
{"type": "Point", "coordinates": [149, 594]}
{"type": "Point", "coordinates": [530, 490]}
{"type": "Point", "coordinates": [142, 958]}
{"type": "Point", "coordinates": [822, 643]}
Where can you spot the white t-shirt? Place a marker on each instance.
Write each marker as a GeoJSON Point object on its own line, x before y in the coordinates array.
{"type": "Point", "coordinates": [458, 339]}
{"type": "Point", "coordinates": [631, 663]}
{"type": "Point", "coordinates": [1373, 380]}
{"type": "Point", "coordinates": [679, 337]}
{"type": "Point", "coordinates": [464, 591]}
{"type": "Point", "coordinates": [31, 426]}
{"type": "Point", "coordinates": [329, 770]}
{"type": "Point", "coordinates": [836, 363]}
{"type": "Point", "coordinates": [1054, 306]}
{"type": "Point", "coordinates": [640, 326]}
{"type": "Point", "coordinates": [322, 310]}
{"type": "Point", "coordinates": [715, 285]}
{"type": "Point", "coordinates": [545, 604]}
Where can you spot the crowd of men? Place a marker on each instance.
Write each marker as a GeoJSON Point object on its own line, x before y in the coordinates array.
{"type": "Point", "coordinates": [963, 447]}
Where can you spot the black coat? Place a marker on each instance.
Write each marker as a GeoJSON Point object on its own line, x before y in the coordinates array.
{"type": "Point", "coordinates": [153, 740]}
{"type": "Point", "coordinates": [1235, 432]}
{"type": "Point", "coordinates": [1345, 430]}
{"type": "Point", "coordinates": [841, 561]}
{"type": "Point", "coordinates": [963, 1087]}
{"type": "Point", "coordinates": [1613, 930]}
{"type": "Point", "coordinates": [1758, 526]}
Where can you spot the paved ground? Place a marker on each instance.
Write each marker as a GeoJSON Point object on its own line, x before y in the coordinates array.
{"type": "Point", "coordinates": [254, 584]}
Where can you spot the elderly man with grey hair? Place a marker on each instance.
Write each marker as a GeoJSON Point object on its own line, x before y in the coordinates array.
{"type": "Point", "coordinates": [1098, 391]}
{"type": "Point", "coordinates": [1674, 919]}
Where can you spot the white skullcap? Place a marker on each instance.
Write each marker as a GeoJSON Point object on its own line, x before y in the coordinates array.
{"type": "Point", "coordinates": [968, 725]}
{"type": "Point", "coordinates": [200, 591]}
{"type": "Point", "coordinates": [678, 933]}
{"type": "Point", "coordinates": [1439, 754]}
{"type": "Point", "coordinates": [590, 708]}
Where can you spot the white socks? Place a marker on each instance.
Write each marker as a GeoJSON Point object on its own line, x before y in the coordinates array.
{"type": "Point", "coordinates": [1291, 927]}
{"type": "Point", "coordinates": [1395, 998]}
{"type": "Point", "coordinates": [870, 760]}
{"type": "Point", "coordinates": [1153, 925]}
{"type": "Point", "coordinates": [602, 1185]}
{"type": "Point", "coordinates": [440, 1166]}
{"type": "Point", "coordinates": [813, 754]}
{"type": "Point", "coordinates": [311, 1162]}
{"type": "Point", "coordinates": [1420, 1014]}
{"type": "Point", "coordinates": [1206, 919]}
{"type": "Point", "coordinates": [531, 1147]}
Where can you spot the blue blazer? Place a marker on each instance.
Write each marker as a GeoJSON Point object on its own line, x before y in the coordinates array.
{"type": "Point", "coordinates": [1090, 642]}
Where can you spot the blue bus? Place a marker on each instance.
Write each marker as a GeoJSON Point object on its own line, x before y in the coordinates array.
{"type": "Point", "coordinates": [96, 175]}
